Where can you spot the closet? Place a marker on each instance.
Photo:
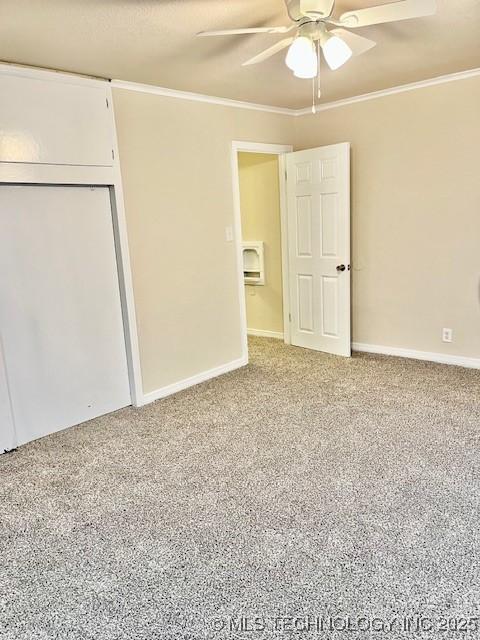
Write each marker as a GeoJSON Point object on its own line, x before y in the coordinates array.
{"type": "Point", "coordinates": [63, 341]}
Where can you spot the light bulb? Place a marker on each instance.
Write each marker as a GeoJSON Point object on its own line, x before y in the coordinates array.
{"type": "Point", "coordinates": [300, 53]}
{"type": "Point", "coordinates": [336, 51]}
{"type": "Point", "coordinates": [301, 58]}
{"type": "Point", "coordinates": [307, 69]}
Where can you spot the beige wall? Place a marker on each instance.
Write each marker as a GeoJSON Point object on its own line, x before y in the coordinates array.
{"type": "Point", "coordinates": [415, 220]}
{"type": "Point", "coordinates": [260, 208]}
{"type": "Point", "coordinates": [176, 166]}
{"type": "Point", "coordinates": [415, 214]}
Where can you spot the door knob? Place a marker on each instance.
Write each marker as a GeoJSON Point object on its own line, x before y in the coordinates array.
{"type": "Point", "coordinates": [341, 267]}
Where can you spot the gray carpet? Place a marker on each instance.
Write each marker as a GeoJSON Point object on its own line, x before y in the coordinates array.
{"type": "Point", "coordinates": [304, 492]}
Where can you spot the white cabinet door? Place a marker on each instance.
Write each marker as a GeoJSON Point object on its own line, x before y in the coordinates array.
{"type": "Point", "coordinates": [318, 202]}
{"type": "Point", "coordinates": [60, 310]}
{"type": "Point", "coordinates": [44, 121]}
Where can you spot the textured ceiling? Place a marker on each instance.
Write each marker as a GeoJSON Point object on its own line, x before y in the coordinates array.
{"type": "Point", "coordinates": [153, 41]}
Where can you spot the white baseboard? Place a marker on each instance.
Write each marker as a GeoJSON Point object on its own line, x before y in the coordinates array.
{"type": "Point", "coordinates": [193, 380]}
{"type": "Point", "coordinates": [263, 333]}
{"type": "Point", "coordinates": [441, 358]}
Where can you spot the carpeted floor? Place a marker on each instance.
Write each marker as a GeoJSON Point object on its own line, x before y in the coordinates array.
{"type": "Point", "coordinates": [303, 492]}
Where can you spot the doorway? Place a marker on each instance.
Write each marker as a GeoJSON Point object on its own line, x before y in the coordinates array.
{"type": "Point", "coordinates": [293, 244]}
{"type": "Point", "coordinates": [261, 243]}
{"type": "Point", "coordinates": [264, 307]}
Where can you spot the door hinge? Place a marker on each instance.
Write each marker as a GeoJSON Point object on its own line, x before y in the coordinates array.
{"type": "Point", "coordinates": [290, 317]}
{"type": "Point", "coordinates": [113, 154]}
{"type": "Point", "coordinates": [106, 100]}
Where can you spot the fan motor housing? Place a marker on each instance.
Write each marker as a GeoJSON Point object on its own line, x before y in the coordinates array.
{"type": "Point", "coordinates": [300, 9]}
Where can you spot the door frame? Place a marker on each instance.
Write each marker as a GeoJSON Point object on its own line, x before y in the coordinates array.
{"type": "Point", "coordinates": [272, 149]}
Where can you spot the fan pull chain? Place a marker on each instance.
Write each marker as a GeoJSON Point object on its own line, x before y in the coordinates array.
{"type": "Point", "coordinates": [319, 89]}
{"type": "Point", "coordinates": [317, 78]}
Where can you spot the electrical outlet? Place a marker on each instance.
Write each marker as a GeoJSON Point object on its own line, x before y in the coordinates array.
{"type": "Point", "coordinates": [447, 335]}
{"type": "Point", "coordinates": [229, 234]}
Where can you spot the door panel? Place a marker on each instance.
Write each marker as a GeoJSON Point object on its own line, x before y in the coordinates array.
{"type": "Point", "coordinates": [329, 225]}
{"type": "Point", "coordinates": [305, 303]}
{"type": "Point", "coordinates": [329, 304]}
{"type": "Point", "coordinates": [304, 226]}
{"type": "Point", "coordinates": [60, 310]}
{"type": "Point", "coordinates": [318, 202]}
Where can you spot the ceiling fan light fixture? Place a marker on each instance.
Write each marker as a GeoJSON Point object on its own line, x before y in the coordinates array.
{"type": "Point", "coordinates": [301, 56]}
{"type": "Point", "coordinates": [336, 51]}
{"type": "Point", "coordinates": [307, 69]}
{"type": "Point", "coordinates": [311, 20]}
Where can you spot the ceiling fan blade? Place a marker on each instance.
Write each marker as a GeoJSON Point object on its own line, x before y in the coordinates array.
{"type": "Point", "coordinates": [236, 32]}
{"type": "Point", "coordinates": [392, 12]}
{"type": "Point", "coordinates": [271, 51]}
{"type": "Point", "coordinates": [358, 44]}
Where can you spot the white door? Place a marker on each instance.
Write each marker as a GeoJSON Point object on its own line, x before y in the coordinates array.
{"type": "Point", "coordinates": [64, 356]}
{"type": "Point", "coordinates": [318, 203]}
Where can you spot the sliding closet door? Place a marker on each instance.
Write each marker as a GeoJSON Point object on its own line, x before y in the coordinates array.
{"type": "Point", "coordinates": [8, 439]}
{"type": "Point", "coordinates": [60, 312]}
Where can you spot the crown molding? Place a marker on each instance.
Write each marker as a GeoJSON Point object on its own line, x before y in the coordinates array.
{"type": "Point", "coordinates": [227, 102]}
{"type": "Point", "coordinates": [7, 68]}
{"type": "Point", "coordinates": [199, 97]}
{"type": "Point", "coordinates": [451, 77]}
{"type": "Point", "coordinates": [50, 75]}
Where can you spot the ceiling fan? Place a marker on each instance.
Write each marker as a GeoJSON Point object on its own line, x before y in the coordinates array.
{"type": "Point", "coordinates": [312, 20]}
